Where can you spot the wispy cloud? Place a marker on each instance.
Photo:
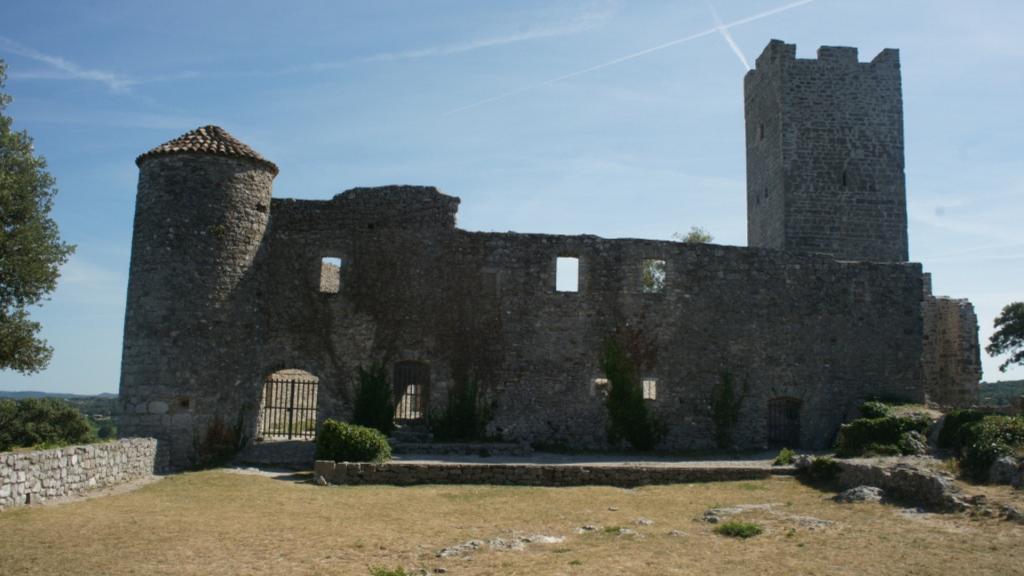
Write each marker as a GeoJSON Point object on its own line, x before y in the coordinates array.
{"type": "Point", "coordinates": [727, 36]}
{"type": "Point", "coordinates": [63, 69]}
{"type": "Point", "coordinates": [627, 57]}
{"type": "Point", "coordinates": [588, 19]}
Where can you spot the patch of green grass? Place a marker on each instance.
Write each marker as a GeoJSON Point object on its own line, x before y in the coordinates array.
{"type": "Point", "coordinates": [784, 458]}
{"type": "Point", "coordinates": [575, 563]}
{"type": "Point", "coordinates": [738, 529]}
{"type": "Point", "coordinates": [612, 529]}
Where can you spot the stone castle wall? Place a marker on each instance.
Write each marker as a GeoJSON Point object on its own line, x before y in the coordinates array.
{"type": "Point", "coordinates": [825, 168]}
{"type": "Point", "coordinates": [38, 476]}
{"type": "Point", "coordinates": [951, 361]}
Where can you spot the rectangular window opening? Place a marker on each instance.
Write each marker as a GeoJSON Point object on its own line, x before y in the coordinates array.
{"type": "Point", "coordinates": [599, 386]}
{"type": "Point", "coordinates": [650, 389]}
{"type": "Point", "coordinates": [567, 274]}
{"type": "Point", "coordinates": [652, 278]}
{"type": "Point", "coordinates": [330, 275]}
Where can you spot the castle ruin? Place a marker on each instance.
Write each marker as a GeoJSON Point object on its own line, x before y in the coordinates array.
{"type": "Point", "coordinates": [229, 286]}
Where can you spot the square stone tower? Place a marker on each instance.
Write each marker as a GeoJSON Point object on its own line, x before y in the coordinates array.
{"type": "Point", "coordinates": [825, 154]}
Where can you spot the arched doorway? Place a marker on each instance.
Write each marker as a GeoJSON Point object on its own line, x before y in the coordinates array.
{"type": "Point", "coordinates": [412, 391]}
{"type": "Point", "coordinates": [784, 422]}
{"type": "Point", "coordinates": [288, 406]}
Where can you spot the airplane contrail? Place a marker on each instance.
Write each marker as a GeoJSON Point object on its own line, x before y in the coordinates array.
{"type": "Point", "coordinates": [727, 36]}
{"type": "Point", "coordinates": [676, 42]}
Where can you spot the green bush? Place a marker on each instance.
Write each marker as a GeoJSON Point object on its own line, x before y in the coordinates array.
{"type": "Point", "coordinates": [628, 416]}
{"type": "Point", "coordinates": [374, 406]}
{"type": "Point", "coordinates": [855, 437]}
{"type": "Point", "coordinates": [41, 422]}
{"type": "Point", "coordinates": [784, 458]}
{"type": "Point", "coordinates": [823, 470]}
{"type": "Point", "coordinates": [875, 409]}
{"type": "Point", "coordinates": [953, 427]}
{"type": "Point", "coordinates": [344, 442]}
{"type": "Point", "coordinates": [738, 529]}
{"type": "Point", "coordinates": [986, 441]}
{"type": "Point", "coordinates": [384, 571]}
{"type": "Point", "coordinates": [464, 417]}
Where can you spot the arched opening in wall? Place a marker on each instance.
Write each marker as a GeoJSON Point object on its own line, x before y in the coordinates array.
{"type": "Point", "coordinates": [412, 391]}
{"type": "Point", "coordinates": [288, 406]}
{"type": "Point", "coordinates": [784, 422]}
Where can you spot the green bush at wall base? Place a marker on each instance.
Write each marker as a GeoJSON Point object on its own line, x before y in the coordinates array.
{"type": "Point", "coordinates": [875, 409]}
{"type": "Point", "coordinates": [344, 442]}
{"type": "Point", "coordinates": [986, 441]}
{"type": "Point", "coordinates": [953, 427]}
{"type": "Point", "coordinates": [855, 437]}
{"type": "Point", "coordinates": [465, 416]}
{"type": "Point", "coordinates": [823, 470]}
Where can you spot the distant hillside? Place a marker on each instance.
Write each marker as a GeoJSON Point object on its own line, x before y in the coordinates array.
{"type": "Point", "coordinates": [33, 394]}
{"type": "Point", "coordinates": [1000, 393]}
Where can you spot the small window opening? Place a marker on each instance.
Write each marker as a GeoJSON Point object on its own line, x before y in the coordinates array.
{"type": "Point", "coordinates": [767, 193]}
{"type": "Point", "coordinates": [330, 275]}
{"type": "Point", "coordinates": [760, 131]}
{"type": "Point", "coordinates": [599, 386]}
{"type": "Point", "coordinates": [567, 274]}
{"type": "Point", "coordinates": [652, 277]}
{"type": "Point", "coordinates": [844, 179]}
{"type": "Point", "coordinates": [650, 389]}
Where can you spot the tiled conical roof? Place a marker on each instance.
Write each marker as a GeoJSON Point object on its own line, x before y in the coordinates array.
{"type": "Point", "coordinates": [208, 140]}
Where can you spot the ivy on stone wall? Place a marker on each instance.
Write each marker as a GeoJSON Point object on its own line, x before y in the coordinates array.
{"type": "Point", "coordinates": [629, 418]}
{"type": "Point", "coordinates": [725, 409]}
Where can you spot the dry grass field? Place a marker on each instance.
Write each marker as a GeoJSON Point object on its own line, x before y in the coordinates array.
{"type": "Point", "coordinates": [221, 522]}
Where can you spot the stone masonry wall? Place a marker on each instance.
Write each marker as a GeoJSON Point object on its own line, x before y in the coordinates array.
{"type": "Point", "coordinates": [625, 476]}
{"type": "Point", "coordinates": [825, 167]}
{"type": "Point", "coordinates": [951, 359]}
{"type": "Point", "coordinates": [34, 477]}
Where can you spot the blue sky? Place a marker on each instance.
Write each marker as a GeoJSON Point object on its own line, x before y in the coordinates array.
{"type": "Point", "coordinates": [507, 105]}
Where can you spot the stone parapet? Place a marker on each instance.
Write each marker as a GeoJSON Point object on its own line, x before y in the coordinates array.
{"type": "Point", "coordinates": [36, 476]}
{"type": "Point", "coordinates": [623, 475]}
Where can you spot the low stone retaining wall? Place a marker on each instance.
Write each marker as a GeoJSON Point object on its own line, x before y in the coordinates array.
{"type": "Point", "coordinates": [289, 453]}
{"type": "Point", "coordinates": [626, 476]}
{"type": "Point", "coordinates": [33, 477]}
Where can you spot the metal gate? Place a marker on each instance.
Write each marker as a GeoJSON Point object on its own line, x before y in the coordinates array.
{"type": "Point", "coordinates": [784, 422]}
{"type": "Point", "coordinates": [412, 391]}
{"type": "Point", "coordinates": [288, 408]}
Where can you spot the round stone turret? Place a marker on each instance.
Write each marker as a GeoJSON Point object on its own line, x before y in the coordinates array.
{"type": "Point", "coordinates": [202, 209]}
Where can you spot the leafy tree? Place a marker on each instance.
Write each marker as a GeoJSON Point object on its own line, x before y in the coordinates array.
{"type": "Point", "coordinates": [696, 235]}
{"type": "Point", "coordinates": [41, 422]}
{"type": "Point", "coordinates": [31, 251]}
{"type": "Point", "coordinates": [1009, 335]}
{"type": "Point", "coordinates": [374, 406]}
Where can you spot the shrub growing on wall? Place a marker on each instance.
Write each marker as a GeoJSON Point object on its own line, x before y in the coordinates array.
{"type": "Point", "coordinates": [374, 405]}
{"type": "Point", "coordinates": [465, 416]}
{"type": "Point", "coordinates": [343, 442]}
{"type": "Point", "coordinates": [43, 422]}
{"type": "Point", "coordinates": [882, 436]}
{"type": "Point", "coordinates": [627, 412]}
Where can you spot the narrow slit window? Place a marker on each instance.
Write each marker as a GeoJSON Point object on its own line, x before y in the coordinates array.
{"type": "Point", "coordinates": [567, 274]}
{"type": "Point", "coordinates": [760, 131]}
{"type": "Point", "coordinates": [330, 275]}
{"type": "Point", "coordinates": [652, 277]}
{"type": "Point", "coordinates": [650, 389]}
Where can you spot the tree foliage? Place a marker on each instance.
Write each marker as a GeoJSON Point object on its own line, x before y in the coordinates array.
{"type": "Point", "coordinates": [623, 359]}
{"type": "Point", "coordinates": [374, 405]}
{"type": "Point", "coordinates": [1009, 335]}
{"type": "Point", "coordinates": [696, 235]}
{"type": "Point", "coordinates": [46, 422]}
{"type": "Point", "coordinates": [31, 251]}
